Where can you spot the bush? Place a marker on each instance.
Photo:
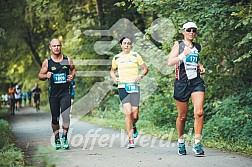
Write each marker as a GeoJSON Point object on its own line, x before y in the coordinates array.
{"type": "Point", "coordinates": [10, 155]}
{"type": "Point", "coordinates": [232, 121]}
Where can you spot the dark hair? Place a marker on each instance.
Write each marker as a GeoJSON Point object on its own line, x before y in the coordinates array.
{"type": "Point", "coordinates": [124, 37]}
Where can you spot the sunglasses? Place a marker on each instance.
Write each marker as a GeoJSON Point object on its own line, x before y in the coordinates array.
{"type": "Point", "coordinates": [191, 30]}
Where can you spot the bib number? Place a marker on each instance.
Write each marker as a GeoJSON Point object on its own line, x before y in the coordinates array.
{"type": "Point", "coordinates": [59, 78]}
{"type": "Point", "coordinates": [131, 88]}
{"type": "Point", "coordinates": [192, 59]}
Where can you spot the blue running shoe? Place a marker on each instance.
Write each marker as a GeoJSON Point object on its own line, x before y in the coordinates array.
{"type": "Point", "coordinates": [57, 144]}
{"type": "Point", "coordinates": [65, 143]}
{"type": "Point", "coordinates": [135, 132]}
{"type": "Point", "coordinates": [197, 149]}
{"type": "Point", "coordinates": [181, 149]}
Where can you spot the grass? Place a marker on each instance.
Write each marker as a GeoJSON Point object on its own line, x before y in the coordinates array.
{"type": "Point", "coordinates": [230, 146]}
{"type": "Point", "coordinates": [10, 154]}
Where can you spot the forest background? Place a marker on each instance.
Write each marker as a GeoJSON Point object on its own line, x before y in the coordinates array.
{"type": "Point", "coordinates": [27, 26]}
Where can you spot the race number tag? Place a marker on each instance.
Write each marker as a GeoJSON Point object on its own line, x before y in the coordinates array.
{"type": "Point", "coordinates": [131, 88]}
{"type": "Point", "coordinates": [59, 78]}
{"type": "Point", "coordinates": [192, 58]}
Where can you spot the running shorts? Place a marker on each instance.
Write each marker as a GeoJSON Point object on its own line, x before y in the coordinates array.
{"type": "Point", "coordinates": [132, 98]}
{"type": "Point", "coordinates": [184, 88]}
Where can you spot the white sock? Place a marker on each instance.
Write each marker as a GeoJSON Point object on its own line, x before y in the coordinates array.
{"type": "Point", "coordinates": [181, 141]}
{"type": "Point", "coordinates": [196, 141]}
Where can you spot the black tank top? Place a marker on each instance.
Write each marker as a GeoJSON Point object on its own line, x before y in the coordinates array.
{"type": "Point", "coordinates": [58, 85]}
{"type": "Point", "coordinates": [180, 71]}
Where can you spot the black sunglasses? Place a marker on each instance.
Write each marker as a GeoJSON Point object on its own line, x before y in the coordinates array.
{"type": "Point", "coordinates": [191, 30]}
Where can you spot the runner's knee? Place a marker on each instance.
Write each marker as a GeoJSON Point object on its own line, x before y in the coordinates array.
{"type": "Point", "coordinates": [198, 113]}
{"type": "Point", "coordinates": [182, 117]}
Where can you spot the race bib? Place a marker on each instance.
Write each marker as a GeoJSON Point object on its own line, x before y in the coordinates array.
{"type": "Point", "coordinates": [192, 58]}
{"type": "Point", "coordinates": [59, 78]}
{"type": "Point", "coordinates": [131, 88]}
{"type": "Point", "coordinates": [191, 65]}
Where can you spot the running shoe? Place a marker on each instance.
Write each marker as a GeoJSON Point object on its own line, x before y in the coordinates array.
{"type": "Point", "coordinates": [135, 132]}
{"type": "Point", "coordinates": [181, 149]}
{"type": "Point", "coordinates": [57, 144]}
{"type": "Point", "coordinates": [197, 149]}
{"type": "Point", "coordinates": [65, 143]}
{"type": "Point", "coordinates": [131, 144]}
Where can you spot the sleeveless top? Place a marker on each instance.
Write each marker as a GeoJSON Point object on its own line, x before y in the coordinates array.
{"type": "Point", "coordinates": [57, 84]}
{"type": "Point", "coordinates": [187, 69]}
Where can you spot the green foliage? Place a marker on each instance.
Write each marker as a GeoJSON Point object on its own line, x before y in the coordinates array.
{"type": "Point", "coordinates": [232, 119]}
{"type": "Point", "coordinates": [46, 158]}
{"type": "Point", "coordinates": [160, 108]}
{"type": "Point", "coordinates": [110, 107]}
{"type": "Point", "coordinates": [10, 155]}
{"type": "Point", "coordinates": [5, 132]}
{"type": "Point", "coordinates": [230, 145]}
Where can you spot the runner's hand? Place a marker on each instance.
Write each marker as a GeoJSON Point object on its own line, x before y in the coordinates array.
{"type": "Point", "coordinates": [49, 75]}
{"type": "Point", "coordinates": [69, 78]}
{"type": "Point", "coordinates": [202, 69]}
{"type": "Point", "coordinates": [116, 80]}
{"type": "Point", "coordinates": [186, 51]}
{"type": "Point", "coordinates": [138, 78]}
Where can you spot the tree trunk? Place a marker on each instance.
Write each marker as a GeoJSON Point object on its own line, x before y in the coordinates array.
{"type": "Point", "coordinates": [100, 13]}
{"type": "Point", "coordinates": [140, 21]}
{"type": "Point", "coordinates": [35, 54]}
{"type": "Point", "coordinates": [154, 16]}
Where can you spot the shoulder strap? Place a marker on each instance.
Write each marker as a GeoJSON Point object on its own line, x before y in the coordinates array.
{"type": "Point", "coordinates": [65, 57]}
{"type": "Point", "coordinates": [197, 46]}
{"type": "Point", "coordinates": [181, 46]}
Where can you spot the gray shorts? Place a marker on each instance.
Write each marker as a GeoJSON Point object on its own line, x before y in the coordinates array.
{"type": "Point", "coordinates": [132, 98]}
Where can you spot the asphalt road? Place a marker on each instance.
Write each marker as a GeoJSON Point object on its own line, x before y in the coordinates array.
{"type": "Point", "coordinates": [95, 146]}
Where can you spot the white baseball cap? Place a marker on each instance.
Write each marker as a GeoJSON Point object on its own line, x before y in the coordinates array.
{"type": "Point", "coordinates": [189, 25]}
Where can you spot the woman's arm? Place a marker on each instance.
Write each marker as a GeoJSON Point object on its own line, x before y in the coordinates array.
{"type": "Point", "coordinates": [143, 73]}
{"type": "Point", "coordinates": [175, 57]}
{"type": "Point", "coordinates": [113, 74]}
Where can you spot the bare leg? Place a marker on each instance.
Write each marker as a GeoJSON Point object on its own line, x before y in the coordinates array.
{"type": "Point", "coordinates": [134, 114]}
{"type": "Point", "coordinates": [198, 101]}
{"type": "Point", "coordinates": [181, 119]}
{"type": "Point", "coordinates": [128, 119]}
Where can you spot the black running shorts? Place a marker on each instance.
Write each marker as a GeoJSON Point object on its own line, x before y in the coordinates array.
{"type": "Point", "coordinates": [184, 88]}
{"type": "Point", "coordinates": [132, 98]}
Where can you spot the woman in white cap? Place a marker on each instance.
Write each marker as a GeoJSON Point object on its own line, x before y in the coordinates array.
{"type": "Point", "coordinates": [185, 56]}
